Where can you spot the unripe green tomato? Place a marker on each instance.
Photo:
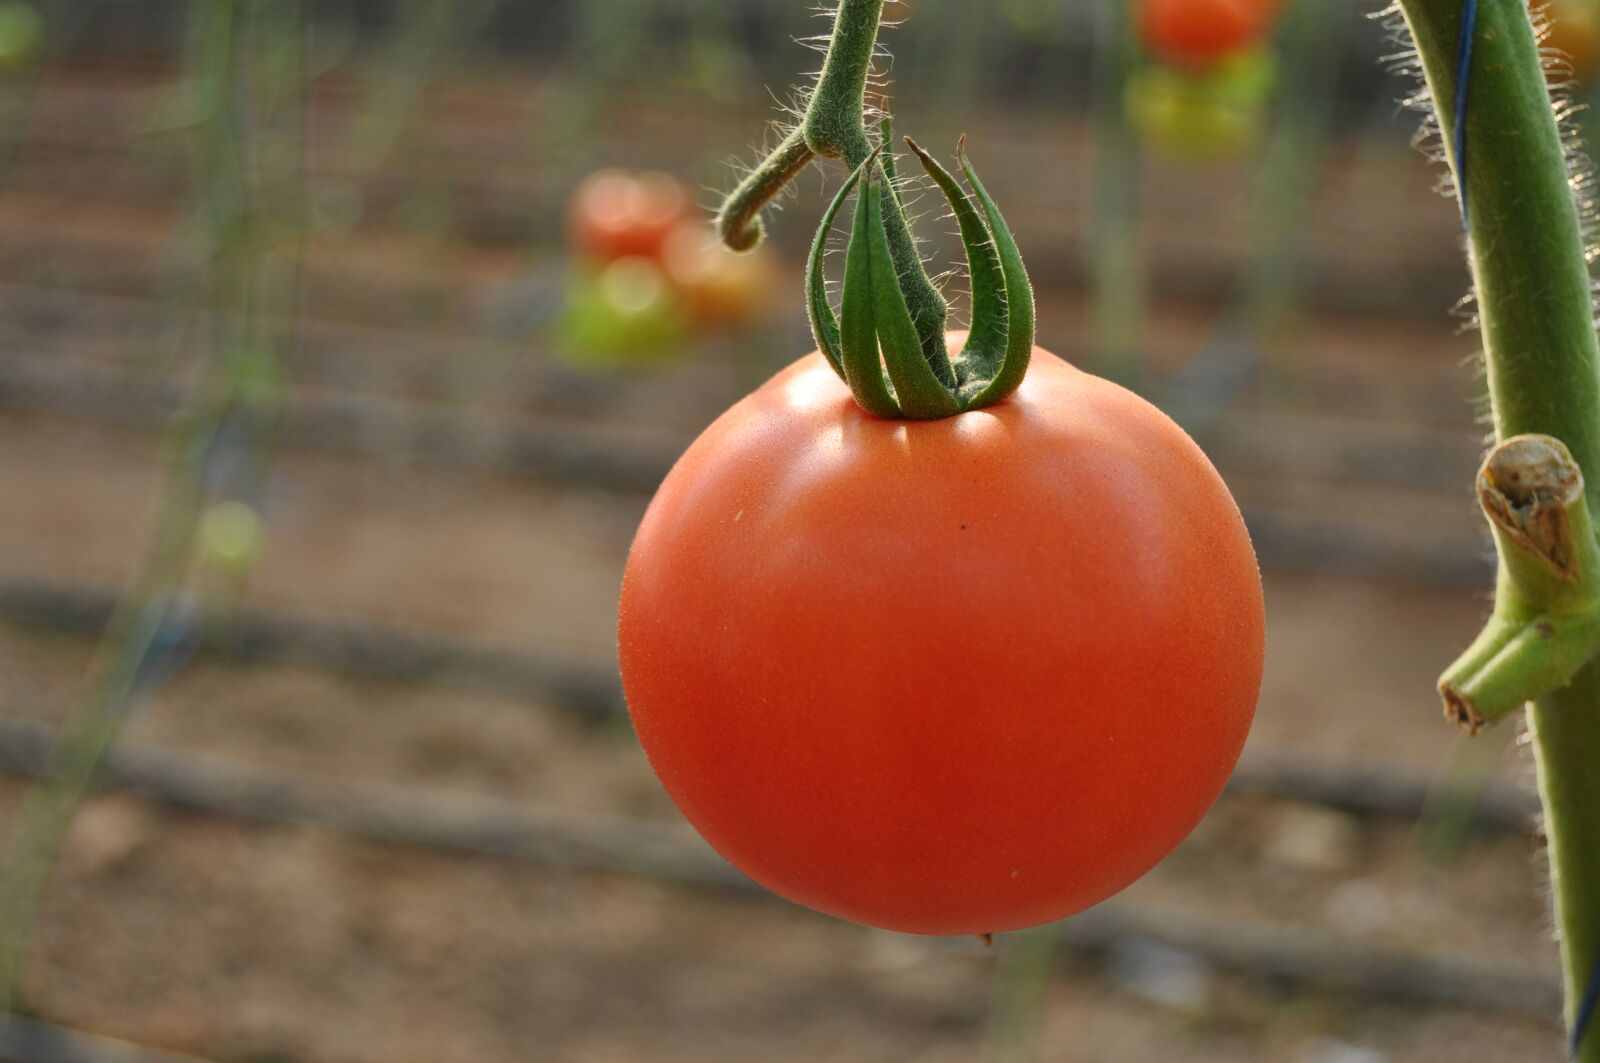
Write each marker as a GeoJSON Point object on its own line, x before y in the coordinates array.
{"type": "Point", "coordinates": [1249, 76]}
{"type": "Point", "coordinates": [1206, 114]}
{"type": "Point", "coordinates": [21, 33]}
{"type": "Point", "coordinates": [230, 534]}
{"type": "Point", "coordinates": [622, 312]}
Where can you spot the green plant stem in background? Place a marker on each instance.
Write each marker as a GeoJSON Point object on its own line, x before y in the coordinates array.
{"type": "Point", "coordinates": [1234, 356]}
{"type": "Point", "coordinates": [246, 65]}
{"type": "Point", "coordinates": [1313, 38]}
{"type": "Point", "coordinates": [20, 85]}
{"type": "Point", "coordinates": [611, 37]}
{"type": "Point", "coordinates": [1527, 257]}
{"type": "Point", "coordinates": [1116, 268]}
{"type": "Point", "coordinates": [1021, 994]}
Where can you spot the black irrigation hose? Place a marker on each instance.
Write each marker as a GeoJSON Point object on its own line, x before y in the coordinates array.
{"type": "Point", "coordinates": [592, 692]}
{"type": "Point", "coordinates": [31, 1041]}
{"type": "Point", "coordinates": [589, 692]}
{"type": "Point", "coordinates": [562, 453]}
{"type": "Point", "coordinates": [483, 825]}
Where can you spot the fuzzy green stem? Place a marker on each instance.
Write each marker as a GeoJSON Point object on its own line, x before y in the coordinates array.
{"type": "Point", "coordinates": [1527, 258]}
{"type": "Point", "coordinates": [834, 127]}
{"type": "Point", "coordinates": [739, 220]}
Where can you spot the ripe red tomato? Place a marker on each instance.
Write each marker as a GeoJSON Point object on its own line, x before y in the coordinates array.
{"type": "Point", "coordinates": [614, 214]}
{"type": "Point", "coordinates": [945, 677]}
{"type": "Point", "coordinates": [1200, 32]}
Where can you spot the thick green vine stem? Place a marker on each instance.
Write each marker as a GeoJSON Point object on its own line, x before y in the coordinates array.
{"type": "Point", "coordinates": [1533, 287]}
{"type": "Point", "coordinates": [834, 127]}
{"type": "Point", "coordinates": [873, 344]}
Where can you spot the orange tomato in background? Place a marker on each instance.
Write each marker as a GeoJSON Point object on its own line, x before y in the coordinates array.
{"type": "Point", "coordinates": [945, 677]}
{"type": "Point", "coordinates": [721, 288]}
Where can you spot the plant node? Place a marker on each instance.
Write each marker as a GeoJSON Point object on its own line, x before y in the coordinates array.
{"type": "Point", "coordinates": [1546, 620]}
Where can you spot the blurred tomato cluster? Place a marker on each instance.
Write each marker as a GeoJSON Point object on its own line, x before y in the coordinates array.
{"type": "Point", "coordinates": [1206, 74]}
{"type": "Point", "coordinates": [649, 271]}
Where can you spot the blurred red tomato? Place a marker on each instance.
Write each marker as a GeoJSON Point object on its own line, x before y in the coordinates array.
{"type": "Point", "coordinates": [718, 286]}
{"type": "Point", "coordinates": [614, 214]}
{"type": "Point", "coordinates": [1200, 32]}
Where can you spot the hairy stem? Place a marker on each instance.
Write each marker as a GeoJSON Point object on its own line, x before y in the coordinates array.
{"type": "Point", "coordinates": [1527, 258]}
{"type": "Point", "coordinates": [835, 127]}
{"type": "Point", "coordinates": [835, 122]}
{"type": "Point", "coordinates": [739, 220]}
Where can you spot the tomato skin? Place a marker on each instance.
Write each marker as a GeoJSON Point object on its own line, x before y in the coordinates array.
{"type": "Point", "coordinates": [943, 677]}
{"type": "Point", "coordinates": [1200, 32]}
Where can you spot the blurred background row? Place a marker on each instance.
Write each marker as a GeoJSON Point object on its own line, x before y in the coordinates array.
{"type": "Point", "coordinates": [341, 345]}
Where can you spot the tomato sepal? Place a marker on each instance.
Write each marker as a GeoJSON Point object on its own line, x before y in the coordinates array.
{"type": "Point", "coordinates": [981, 358]}
{"type": "Point", "coordinates": [1020, 319]}
{"type": "Point", "coordinates": [824, 325]}
{"type": "Point", "coordinates": [922, 396]}
{"type": "Point", "coordinates": [873, 345]}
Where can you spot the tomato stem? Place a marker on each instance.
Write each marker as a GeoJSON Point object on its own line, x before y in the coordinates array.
{"type": "Point", "coordinates": [1527, 254]}
{"type": "Point", "coordinates": [739, 221]}
{"type": "Point", "coordinates": [834, 127]}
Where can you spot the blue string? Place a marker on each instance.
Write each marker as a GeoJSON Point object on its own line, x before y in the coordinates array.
{"type": "Point", "coordinates": [1469, 32]}
{"type": "Point", "coordinates": [1586, 1010]}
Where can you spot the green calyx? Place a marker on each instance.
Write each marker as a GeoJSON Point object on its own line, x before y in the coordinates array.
{"type": "Point", "coordinates": [889, 300]}
{"type": "Point", "coordinates": [874, 344]}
